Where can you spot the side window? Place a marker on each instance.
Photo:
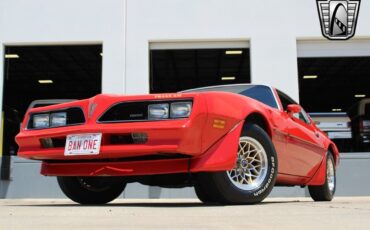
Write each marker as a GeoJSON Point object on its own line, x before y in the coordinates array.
{"type": "Point", "coordinates": [303, 116]}
{"type": "Point", "coordinates": [286, 100]}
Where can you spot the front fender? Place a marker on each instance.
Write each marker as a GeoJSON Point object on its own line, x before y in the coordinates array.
{"type": "Point", "coordinates": [222, 155]}
{"type": "Point", "coordinates": [225, 110]}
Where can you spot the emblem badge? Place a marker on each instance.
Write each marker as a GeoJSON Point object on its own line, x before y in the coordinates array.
{"type": "Point", "coordinates": [92, 107]}
{"type": "Point", "coordinates": [338, 18]}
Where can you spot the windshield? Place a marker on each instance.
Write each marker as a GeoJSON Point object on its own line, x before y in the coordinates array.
{"type": "Point", "coordinates": [258, 92]}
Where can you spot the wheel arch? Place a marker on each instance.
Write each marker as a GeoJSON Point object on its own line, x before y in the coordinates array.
{"type": "Point", "coordinates": [334, 151]}
{"type": "Point", "coordinates": [320, 175]}
{"type": "Point", "coordinates": [260, 120]}
{"type": "Point", "coordinates": [331, 150]}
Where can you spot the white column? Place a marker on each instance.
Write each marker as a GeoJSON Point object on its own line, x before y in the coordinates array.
{"type": "Point", "coordinates": [1, 95]}
{"type": "Point", "coordinates": [274, 62]}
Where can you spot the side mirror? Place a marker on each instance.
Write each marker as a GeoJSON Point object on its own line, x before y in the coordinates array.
{"type": "Point", "coordinates": [294, 108]}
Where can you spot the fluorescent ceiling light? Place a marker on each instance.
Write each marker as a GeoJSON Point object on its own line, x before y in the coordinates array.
{"type": "Point", "coordinates": [11, 56]}
{"type": "Point", "coordinates": [336, 110]}
{"type": "Point", "coordinates": [360, 95]}
{"type": "Point", "coordinates": [233, 52]}
{"type": "Point", "coordinates": [227, 78]}
{"type": "Point", "coordinates": [46, 81]}
{"type": "Point", "coordinates": [310, 77]}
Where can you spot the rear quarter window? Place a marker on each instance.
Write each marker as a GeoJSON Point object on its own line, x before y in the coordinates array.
{"type": "Point", "coordinates": [262, 94]}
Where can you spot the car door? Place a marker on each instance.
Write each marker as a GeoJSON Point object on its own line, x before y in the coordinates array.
{"type": "Point", "coordinates": [304, 143]}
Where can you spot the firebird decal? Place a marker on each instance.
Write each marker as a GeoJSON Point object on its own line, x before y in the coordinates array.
{"type": "Point", "coordinates": [169, 95]}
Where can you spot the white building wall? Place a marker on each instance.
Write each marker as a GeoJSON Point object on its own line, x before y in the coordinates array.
{"type": "Point", "coordinates": [43, 22]}
{"type": "Point", "coordinates": [127, 27]}
{"type": "Point", "coordinates": [272, 27]}
{"type": "Point", "coordinates": [267, 26]}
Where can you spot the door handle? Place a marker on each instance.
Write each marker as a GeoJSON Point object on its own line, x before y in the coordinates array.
{"type": "Point", "coordinates": [317, 134]}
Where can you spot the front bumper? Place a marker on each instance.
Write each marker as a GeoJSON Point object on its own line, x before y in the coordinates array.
{"type": "Point", "coordinates": [164, 137]}
{"type": "Point", "coordinates": [219, 157]}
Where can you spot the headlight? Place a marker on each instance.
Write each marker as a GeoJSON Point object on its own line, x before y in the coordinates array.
{"type": "Point", "coordinates": [158, 111]}
{"type": "Point", "coordinates": [180, 109]}
{"type": "Point", "coordinates": [41, 121]}
{"type": "Point", "coordinates": [58, 119]}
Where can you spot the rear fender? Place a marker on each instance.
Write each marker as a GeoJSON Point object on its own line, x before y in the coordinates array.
{"type": "Point", "coordinates": [320, 175]}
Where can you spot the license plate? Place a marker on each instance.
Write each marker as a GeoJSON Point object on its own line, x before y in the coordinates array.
{"type": "Point", "coordinates": [83, 144]}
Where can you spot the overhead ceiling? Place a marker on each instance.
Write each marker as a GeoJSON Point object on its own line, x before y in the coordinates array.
{"type": "Point", "coordinates": [338, 80]}
{"type": "Point", "coordinates": [175, 70]}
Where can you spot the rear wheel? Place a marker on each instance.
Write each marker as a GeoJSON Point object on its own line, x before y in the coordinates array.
{"type": "Point", "coordinates": [253, 176]}
{"type": "Point", "coordinates": [92, 190]}
{"type": "Point", "coordinates": [326, 191]}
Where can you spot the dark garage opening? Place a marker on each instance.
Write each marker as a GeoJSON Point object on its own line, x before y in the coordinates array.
{"type": "Point", "coordinates": [335, 86]}
{"type": "Point", "coordinates": [180, 69]}
{"type": "Point", "coordinates": [46, 72]}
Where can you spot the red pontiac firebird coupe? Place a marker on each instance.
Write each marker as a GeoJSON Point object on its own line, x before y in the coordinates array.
{"type": "Point", "coordinates": [233, 143]}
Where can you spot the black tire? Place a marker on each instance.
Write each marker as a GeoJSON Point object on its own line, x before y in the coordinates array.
{"type": "Point", "coordinates": [219, 186]}
{"type": "Point", "coordinates": [323, 192]}
{"type": "Point", "coordinates": [204, 195]}
{"type": "Point", "coordinates": [91, 190]}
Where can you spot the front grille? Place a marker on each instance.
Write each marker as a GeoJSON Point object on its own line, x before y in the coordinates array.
{"type": "Point", "coordinates": [130, 138]}
{"type": "Point", "coordinates": [128, 111]}
{"type": "Point", "coordinates": [120, 139]}
{"type": "Point", "coordinates": [58, 142]}
{"type": "Point", "coordinates": [75, 116]}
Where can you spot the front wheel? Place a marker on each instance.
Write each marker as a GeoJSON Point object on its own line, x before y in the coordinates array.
{"type": "Point", "coordinates": [252, 177]}
{"type": "Point", "coordinates": [326, 191]}
{"type": "Point", "coordinates": [91, 190]}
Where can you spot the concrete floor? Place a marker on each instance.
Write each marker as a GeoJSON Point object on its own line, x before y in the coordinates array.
{"type": "Point", "coordinates": [273, 213]}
